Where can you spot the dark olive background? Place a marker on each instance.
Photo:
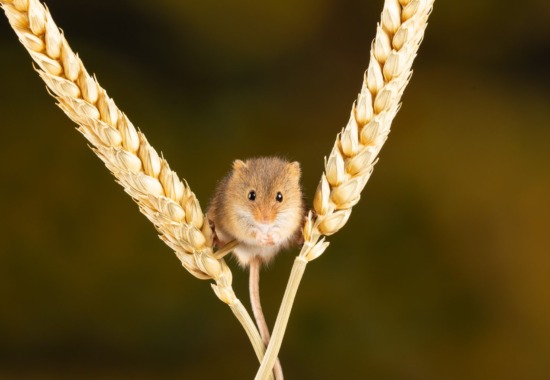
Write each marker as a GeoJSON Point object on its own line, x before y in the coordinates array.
{"type": "Point", "coordinates": [443, 271]}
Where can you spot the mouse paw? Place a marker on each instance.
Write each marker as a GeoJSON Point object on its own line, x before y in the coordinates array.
{"type": "Point", "coordinates": [267, 238]}
{"type": "Point", "coordinates": [275, 237]}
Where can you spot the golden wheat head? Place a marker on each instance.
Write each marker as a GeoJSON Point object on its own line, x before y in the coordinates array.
{"type": "Point", "coordinates": [351, 162]}
{"type": "Point", "coordinates": [166, 201]}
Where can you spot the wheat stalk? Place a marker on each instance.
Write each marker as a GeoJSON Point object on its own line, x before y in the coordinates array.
{"type": "Point", "coordinates": [162, 197]}
{"type": "Point", "coordinates": [351, 162]}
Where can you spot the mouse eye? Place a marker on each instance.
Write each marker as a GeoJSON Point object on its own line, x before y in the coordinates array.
{"type": "Point", "coordinates": [252, 195]}
{"type": "Point", "coordinates": [279, 197]}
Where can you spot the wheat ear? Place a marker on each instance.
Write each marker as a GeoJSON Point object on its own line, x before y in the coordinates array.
{"type": "Point", "coordinates": [162, 197]}
{"type": "Point", "coordinates": [351, 162]}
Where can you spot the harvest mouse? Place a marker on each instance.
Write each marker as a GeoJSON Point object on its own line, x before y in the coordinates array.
{"type": "Point", "coordinates": [260, 204]}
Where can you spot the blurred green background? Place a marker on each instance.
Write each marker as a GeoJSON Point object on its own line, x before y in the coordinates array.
{"type": "Point", "coordinates": [443, 271]}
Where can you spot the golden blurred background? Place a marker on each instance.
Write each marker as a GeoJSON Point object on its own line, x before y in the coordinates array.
{"type": "Point", "coordinates": [443, 271]}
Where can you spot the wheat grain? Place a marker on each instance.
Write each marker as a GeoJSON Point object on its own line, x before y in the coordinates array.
{"type": "Point", "coordinates": [355, 152]}
{"type": "Point", "coordinates": [162, 197]}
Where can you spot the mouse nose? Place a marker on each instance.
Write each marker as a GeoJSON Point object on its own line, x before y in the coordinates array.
{"type": "Point", "coordinates": [265, 216]}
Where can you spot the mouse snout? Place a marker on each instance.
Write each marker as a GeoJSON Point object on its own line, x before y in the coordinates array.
{"type": "Point", "coordinates": [264, 215]}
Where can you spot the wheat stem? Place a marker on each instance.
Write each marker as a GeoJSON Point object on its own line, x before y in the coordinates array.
{"type": "Point", "coordinates": [356, 149]}
{"type": "Point", "coordinates": [298, 269]}
{"type": "Point", "coordinates": [161, 196]}
{"type": "Point", "coordinates": [225, 250]}
{"type": "Point", "coordinates": [250, 328]}
{"type": "Point", "coordinates": [255, 303]}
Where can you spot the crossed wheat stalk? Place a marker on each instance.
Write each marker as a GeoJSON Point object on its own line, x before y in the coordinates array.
{"type": "Point", "coordinates": [169, 203]}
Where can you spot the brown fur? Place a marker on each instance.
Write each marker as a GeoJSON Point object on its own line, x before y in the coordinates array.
{"type": "Point", "coordinates": [266, 176]}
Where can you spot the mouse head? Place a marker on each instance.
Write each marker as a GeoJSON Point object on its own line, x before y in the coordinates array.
{"type": "Point", "coordinates": [267, 191]}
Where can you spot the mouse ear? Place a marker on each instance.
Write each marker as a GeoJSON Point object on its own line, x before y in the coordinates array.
{"type": "Point", "coordinates": [294, 168]}
{"type": "Point", "coordinates": [238, 164]}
